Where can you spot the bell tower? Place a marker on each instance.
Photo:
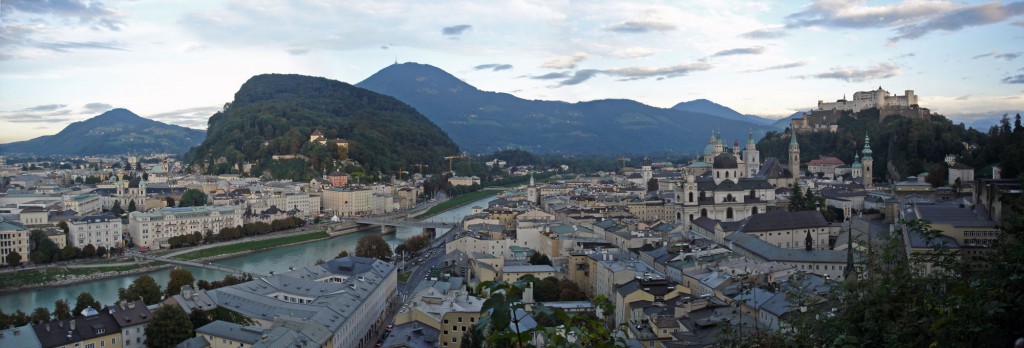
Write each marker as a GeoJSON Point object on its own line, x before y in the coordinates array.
{"type": "Point", "coordinates": [794, 156]}
{"type": "Point", "coordinates": [866, 163]}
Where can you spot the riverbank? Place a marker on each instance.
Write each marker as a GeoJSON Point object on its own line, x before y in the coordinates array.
{"type": "Point", "coordinates": [456, 202]}
{"type": "Point", "coordinates": [232, 250]}
{"type": "Point", "coordinates": [63, 276]}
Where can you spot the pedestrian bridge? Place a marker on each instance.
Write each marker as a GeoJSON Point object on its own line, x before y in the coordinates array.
{"type": "Point", "coordinates": [207, 265]}
{"type": "Point", "coordinates": [402, 222]}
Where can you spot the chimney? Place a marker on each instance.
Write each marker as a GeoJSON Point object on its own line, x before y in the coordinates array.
{"type": "Point", "coordinates": [72, 324]}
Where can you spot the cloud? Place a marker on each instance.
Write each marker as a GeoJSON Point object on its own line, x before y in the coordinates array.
{"type": "Point", "coordinates": [636, 73]}
{"type": "Point", "coordinates": [65, 46]}
{"type": "Point", "coordinates": [579, 77]}
{"type": "Point", "coordinates": [763, 34]}
{"type": "Point", "coordinates": [1019, 23]}
{"type": "Point", "coordinates": [669, 71]}
{"type": "Point", "coordinates": [97, 107]}
{"type": "Point", "coordinates": [493, 67]}
{"type": "Point", "coordinates": [739, 51]}
{"type": "Point", "coordinates": [551, 76]}
{"type": "Point", "coordinates": [637, 27]}
{"type": "Point", "coordinates": [853, 74]}
{"type": "Point", "coordinates": [565, 62]}
{"type": "Point", "coordinates": [780, 67]}
{"type": "Point", "coordinates": [297, 51]}
{"type": "Point", "coordinates": [997, 55]}
{"type": "Point", "coordinates": [964, 97]}
{"type": "Point", "coordinates": [194, 117]}
{"type": "Point", "coordinates": [455, 29]}
{"type": "Point", "coordinates": [633, 52]}
{"type": "Point", "coordinates": [1015, 79]}
{"type": "Point", "coordinates": [94, 13]}
{"type": "Point", "coordinates": [960, 18]}
{"type": "Point", "coordinates": [47, 107]}
{"type": "Point", "coordinates": [909, 19]}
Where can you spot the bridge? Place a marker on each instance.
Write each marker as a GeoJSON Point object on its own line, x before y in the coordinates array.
{"type": "Point", "coordinates": [402, 222]}
{"type": "Point", "coordinates": [207, 265]}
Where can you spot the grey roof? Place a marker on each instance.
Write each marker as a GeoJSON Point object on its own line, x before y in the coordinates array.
{"type": "Point", "coordinates": [784, 220]}
{"type": "Point", "coordinates": [954, 215]}
{"type": "Point", "coordinates": [413, 335]}
{"type": "Point", "coordinates": [131, 313]}
{"type": "Point", "coordinates": [194, 342]}
{"type": "Point", "coordinates": [528, 269]}
{"type": "Point", "coordinates": [22, 337]}
{"type": "Point", "coordinates": [232, 331]}
{"type": "Point", "coordinates": [771, 252]}
{"type": "Point", "coordinates": [55, 333]}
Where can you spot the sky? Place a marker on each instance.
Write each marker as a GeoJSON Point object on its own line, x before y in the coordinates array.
{"type": "Point", "coordinates": [178, 62]}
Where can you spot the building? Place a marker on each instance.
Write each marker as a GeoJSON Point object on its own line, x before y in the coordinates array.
{"type": "Point", "coordinates": [13, 238]}
{"type": "Point", "coordinates": [722, 194]}
{"type": "Point", "coordinates": [748, 161]}
{"type": "Point", "coordinates": [34, 216]}
{"type": "Point", "coordinates": [878, 98]}
{"type": "Point", "coordinates": [962, 173]}
{"type": "Point", "coordinates": [348, 201]}
{"type": "Point", "coordinates": [338, 179]}
{"type": "Point", "coordinates": [223, 334]}
{"type": "Point", "coordinates": [451, 313]}
{"type": "Point", "coordinates": [21, 337]}
{"type": "Point", "coordinates": [337, 304]}
{"type": "Point", "coordinates": [84, 204]}
{"type": "Point", "coordinates": [132, 318]}
{"type": "Point", "coordinates": [824, 262]}
{"type": "Point", "coordinates": [512, 273]}
{"type": "Point", "coordinates": [464, 180]}
{"type": "Point", "coordinates": [99, 230]}
{"type": "Point", "coordinates": [967, 229]}
{"type": "Point", "coordinates": [153, 229]}
{"type": "Point", "coordinates": [791, 229]}
{"type": "Point", "coordinates": [825, 165]}
{"type": "Point", "coordinates": [91, 329]}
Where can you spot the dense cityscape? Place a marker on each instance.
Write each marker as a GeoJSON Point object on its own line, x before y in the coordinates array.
{"type": "Point", "coordinates": [413, 209]}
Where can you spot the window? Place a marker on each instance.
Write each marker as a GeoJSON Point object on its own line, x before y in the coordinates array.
{"type": "Point", "coordinates": [445, 332]}
{"type": "Point", "coordinates": [460, 319]}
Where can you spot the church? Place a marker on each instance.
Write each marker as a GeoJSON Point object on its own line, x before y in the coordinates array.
{"type": "Point", "coordinates": [724, 193]}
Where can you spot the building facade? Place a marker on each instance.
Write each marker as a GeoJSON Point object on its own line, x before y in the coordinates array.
{"type": "Point", "coordinates": [152, 229]}
{"type": "Point", "coordinates": [98, 230]}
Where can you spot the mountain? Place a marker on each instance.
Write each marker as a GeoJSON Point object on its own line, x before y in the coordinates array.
{"type": "Point", "coordinates": [275, 114]}
{"type": "Point", "coordinates": [705, 106]}
{"type": "Point", "coordinates": [114, 132]}
{"type": "Point", "coordinates": [481, 121]}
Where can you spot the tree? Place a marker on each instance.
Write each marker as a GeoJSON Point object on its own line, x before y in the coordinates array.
{"type": "Point", "coordinates": [343, 253]}
{"type": "Point", "coordinates": [64, 226]}
{"type": "Point", "coordinates": [101, 251]}
{"type": "Point", "coordinates": [199, 318]}
{"type": "Point", "coordinates": [169, 201]}
{"type": "Point", "coordinates": [652, 185]}
{"type": "Point", "coordinates": [170, 326]}
{"type": "Point", "coordinates": [83, 301]}
{"type": "Point", "coordinates": [116, 209]}
{"type": "Point", "coordinates": [40, 315]}
{"type": "Point", "coordinates": [192, 198]}
{"type": "Point", "coordinates": [89, 251]}
{"type": "Point", "coordinates": [373, 246]}
{"type": "Point", "coordinates": [61, 310]}
{"type": "Point", "coordinates": [132, 207]}
{"type": "Point", "coordinates": [142, 288]}
{"type": "Point", "coordinates": [14, 259]}
{"type": "Point", "coordinates": [539, 258]}
{"type": "Point", "coordinates": [179, 277]}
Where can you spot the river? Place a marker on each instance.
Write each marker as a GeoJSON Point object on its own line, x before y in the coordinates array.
{"type": "Point", "coordinates": [276, 260]}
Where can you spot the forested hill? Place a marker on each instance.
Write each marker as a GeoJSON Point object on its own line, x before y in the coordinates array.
{"type": "Point", "coordinates": [275, 114]}
{"type": "Point", "coordinates": [913, 146]}
{"type": "Point", "coordinates": [115, 132]}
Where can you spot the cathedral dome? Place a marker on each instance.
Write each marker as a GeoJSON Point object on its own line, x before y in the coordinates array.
{"type": "Point", "coordinates": [710, 149]}
{"type": "Point", "coordinates": [725, 161]}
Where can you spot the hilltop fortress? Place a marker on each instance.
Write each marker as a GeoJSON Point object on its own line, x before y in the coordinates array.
{"type": "Point", "coordinates": [826, 117]}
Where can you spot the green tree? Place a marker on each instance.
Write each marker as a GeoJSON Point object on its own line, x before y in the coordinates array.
{"type": "Point", "coordinates": [83, 301]}
{"type": "Point", "coordinates": [199, 318]}
{"type": "Point", "coordinates": [170, 326]}
{"type": "Point", "coordinates": [61, 310]}
{"type": "Point", "coordinates": [40, 315]}
{"type": "Point", "coordinates": [342, 253]}
{"type": "Point", "coordinates": [169, 201]}
{"type": "Point", "coordinates": [373, 246]}
{"type": "Point", "coordinates": [69, 253]}
{"type": "Point", "coordinates": [132, 207]}
{"type": "Point", "coordinates": [101, 251]}
{"type": "Point", "coordinates": [142, 288]}
{"type": "Point", "coordinates": [192, 198]}
{"type": "Point", "coordinates": [116, 209]}
{"type": "Point", "coordinates": [179, 277]}
{"type": "Point", "coordinates": [13, 259]}
{"type": "Point", "coordinates": [88, 251]}
{"type": "Point", "coordinates": [539, 258]}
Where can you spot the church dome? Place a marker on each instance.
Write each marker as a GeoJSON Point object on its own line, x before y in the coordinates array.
{"type": "Point", "coordinates": [856, 164]}
{"type": "Point", "coordinates": [710, 149]}
{"type": "Point", "coordinates": [725, 161]}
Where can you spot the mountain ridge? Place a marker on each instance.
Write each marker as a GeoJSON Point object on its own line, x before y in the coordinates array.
{"type": "Point", "coordinates": [482, 121]}
{"type": "Point", "coordinates": [711, 108]}
{"type": "Point", "coordinates": [116, 131]}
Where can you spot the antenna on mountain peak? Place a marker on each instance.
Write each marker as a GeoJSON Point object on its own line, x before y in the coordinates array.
{"type": "Point", "coordinates": [396, 59]}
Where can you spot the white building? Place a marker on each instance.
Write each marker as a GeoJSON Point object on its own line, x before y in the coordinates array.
{"type": "Point", "coordinates": [98, 230]}
{"type": "Point", "coordinates": [348, 201]}
{"type": "Point", "coordinates": [13, 237]}
{"type": "Point", "coordinates": [151, 229]}
{"type": "Point", "coordinates": [878, 98]}
{"type": "Point", "coordinates": [464, 180]}
{"type": "Point", "coordinates": [307, 204]}
{"type": "Point", "coordinates": [84, 204]}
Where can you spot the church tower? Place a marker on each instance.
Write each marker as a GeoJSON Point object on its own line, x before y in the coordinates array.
{"type": "Point", "coordinates": [531, 192]}
{"type": "Point", "coordinates": [866, 163]}
{"type": "Point", "coordinates": [646, 172]}
{"type": "Point", "coordinates": [856, 171]}
{"type": "Point", "coordinates": [752, 156]}
{"type": "Point", "coordinates": [794, 157]}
